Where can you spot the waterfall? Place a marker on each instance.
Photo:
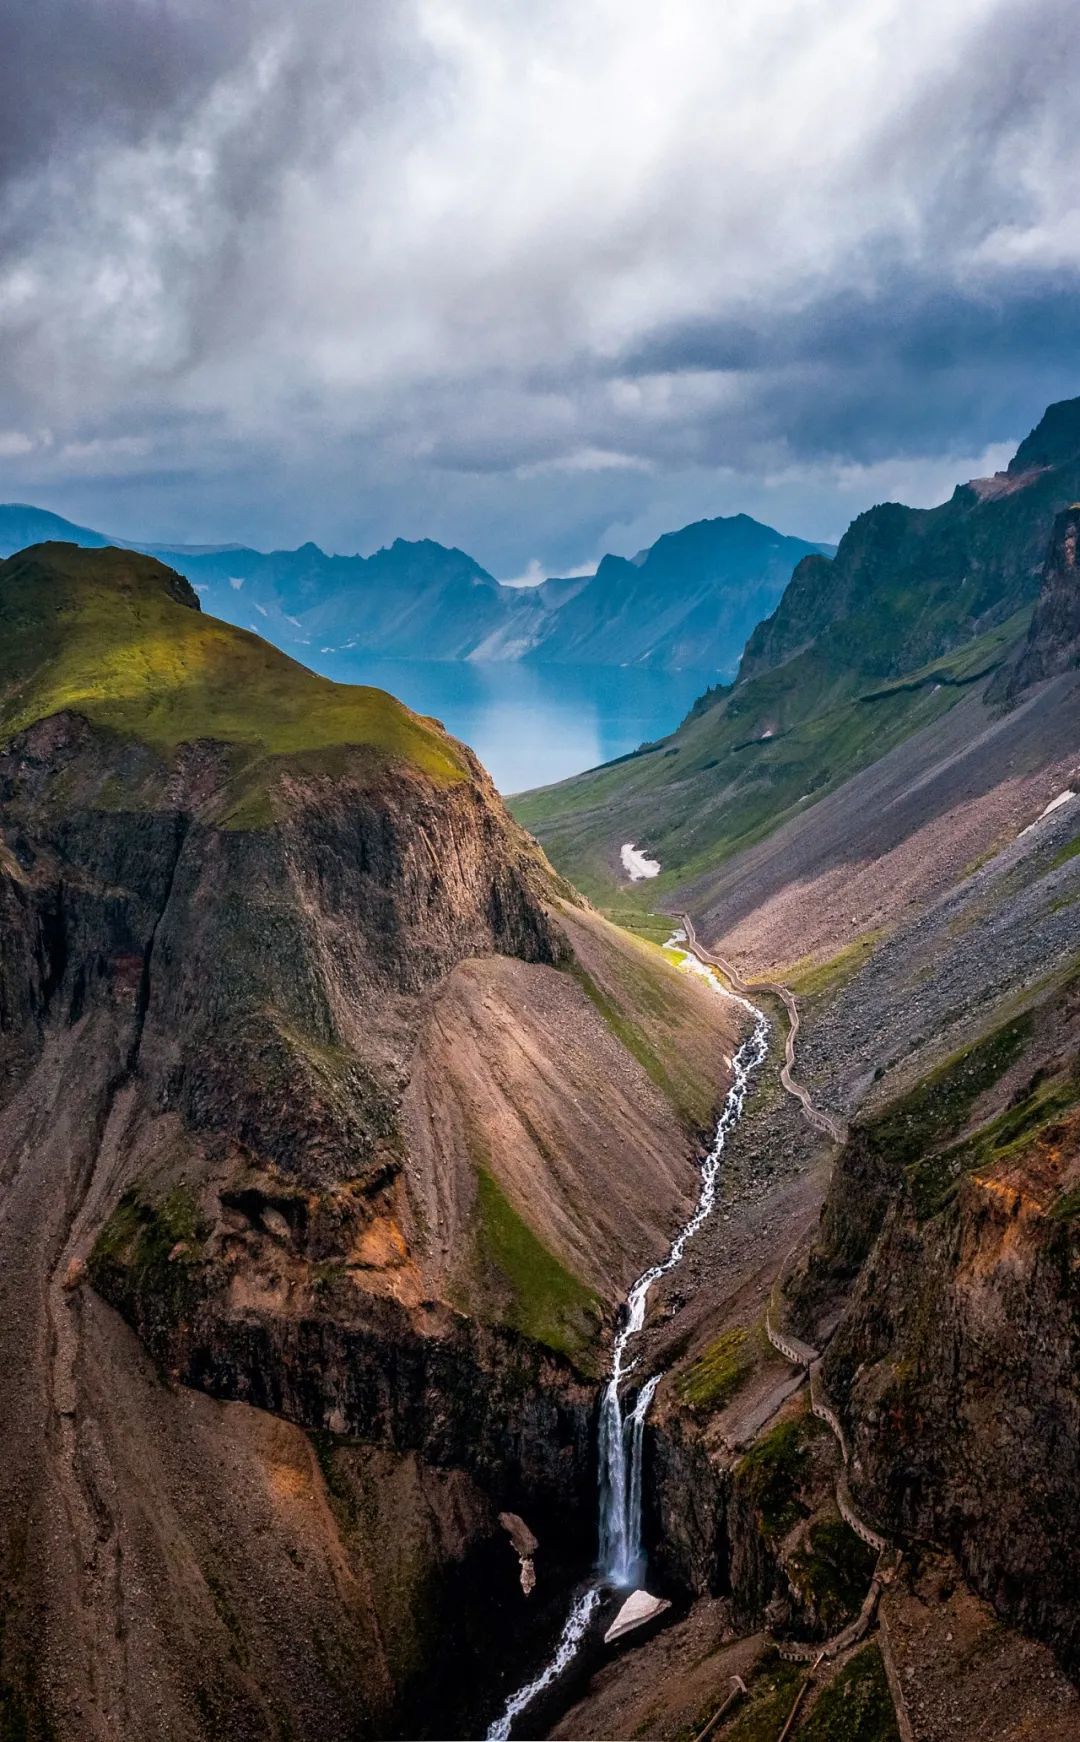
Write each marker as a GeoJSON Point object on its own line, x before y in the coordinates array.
{"type": "Point", "coordinates": [634, 1554]}
{"type": "Point", "coordinates": [622, 1437]}
{"type": "Point", "coordinates": [573, 1633]}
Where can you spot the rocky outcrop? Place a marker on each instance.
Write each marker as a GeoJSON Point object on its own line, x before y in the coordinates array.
{"type": "Point", "coordinates": [950, 1235]}
{"type": "Point", "coordinates": [1053, 642]}
{"type": "Point", "coordinates": [958, 1365]}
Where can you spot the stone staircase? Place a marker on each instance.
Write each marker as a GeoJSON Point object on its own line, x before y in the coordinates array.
{"type": "Point", "coordinates": [802, 1355]}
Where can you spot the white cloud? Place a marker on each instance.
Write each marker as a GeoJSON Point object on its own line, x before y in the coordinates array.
{"type": "Point", "coordinates": [13, 443]}
{"type": "Point", "coordinates": [371, 258]}
{"type": "Point", "coordinates": [921, 481]}
{"type": "Point", "coordinates": [538, 571]}
{"type": "Point", "coordinates": [586, 460]}
{"type": "Point", "coordinates": [236, 582]}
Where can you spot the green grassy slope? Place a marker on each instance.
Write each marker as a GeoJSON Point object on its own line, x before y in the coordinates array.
{"type": "Point", "coordinates": [732, 774]}
{"type": "Point", "coordinates": [108, 635]}
{"type": "Point", "coordinates": [861, 652]}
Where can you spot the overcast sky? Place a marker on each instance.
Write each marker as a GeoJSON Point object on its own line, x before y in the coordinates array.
{"type": "Point", "coordinates": [540, 279]}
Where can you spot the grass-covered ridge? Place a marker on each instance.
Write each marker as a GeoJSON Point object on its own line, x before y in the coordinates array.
{"type": "Point", "coordinates": [948, 1125]}
{"type": "Point", "coordinates": [107, 634]}
{"type": "Point", "coordinates": [856, 1707]}
{"type": "Point", "coordinates": [734, 772]}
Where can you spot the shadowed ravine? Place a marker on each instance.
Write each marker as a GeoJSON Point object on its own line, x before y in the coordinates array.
{"type": "Point", "coordinates": [621, 1558]}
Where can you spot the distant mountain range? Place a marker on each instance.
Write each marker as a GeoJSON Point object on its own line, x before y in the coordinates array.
{"type": "Point", "coordinates": [686, 603]}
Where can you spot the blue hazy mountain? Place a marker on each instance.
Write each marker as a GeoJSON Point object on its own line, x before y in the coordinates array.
{"type": "Point", "coordinates": [688, 602]}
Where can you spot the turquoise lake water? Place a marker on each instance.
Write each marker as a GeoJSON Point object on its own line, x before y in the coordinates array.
{"type": "Point", "coordinates": [531, 724]}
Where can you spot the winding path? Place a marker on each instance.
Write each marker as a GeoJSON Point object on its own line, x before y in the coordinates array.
{"type": "Point", "coordinates": [801, 1354]}
{"type": "Point", "coordinates": [815, 1116]}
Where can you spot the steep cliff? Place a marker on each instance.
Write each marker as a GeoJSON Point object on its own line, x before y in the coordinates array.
{"type": "Point", "coordinates": [950, 1238]}
{"type": "Point", "coordinates": [311, 1066]}
{"type": "Point", "coordinates": [1053, 642]}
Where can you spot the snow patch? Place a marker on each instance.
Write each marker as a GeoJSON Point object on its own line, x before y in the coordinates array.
{"type": "Point", "coordinates": [636, 865]}
{"type": "Point", "coordinates": [1055, 804]}
{"type": "Point", "coordinates": [642, 1606]}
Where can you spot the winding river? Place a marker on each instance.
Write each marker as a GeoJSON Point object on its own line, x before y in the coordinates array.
{"type": "Point", "coordinates": [621, 1558]}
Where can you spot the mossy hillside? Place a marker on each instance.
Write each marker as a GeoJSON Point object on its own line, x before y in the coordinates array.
{"type": "Point", "coordinates": [761, 1717]}
{"type": "Point", "coordinates": [831, 1573]}
{"type": "Point", "coordinates": [856, 1707]}
{"type": "Point", "coordinates": [713, 1379]}
{"type": "Point", "coordinates": [1037, 1115]}
{"type": "Point", "coordinates": [535, 1294]}
{"type": "Point", "coordinates": [924, 1131]}
{"type": "Point", "coordinates": [936, 1108]}
{"type": "Point", "coordinates": [106, 634]}
{"type": "Point", "coordinates": [647, 1003]}
{"type": "Point", "coordinates": [773, 1477]}
{"type": "Point", "coordinates": [151, 1252]}
{"type": "Point", "coordinates": [1065, 853]}
{"type": "Point", "coordinates": [673, 1075]}
{"type": "Point", "coordinates": [811, 979]}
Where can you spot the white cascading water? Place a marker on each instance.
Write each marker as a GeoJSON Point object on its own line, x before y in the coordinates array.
{"type": "Point", "coordinates": [621, 1438]}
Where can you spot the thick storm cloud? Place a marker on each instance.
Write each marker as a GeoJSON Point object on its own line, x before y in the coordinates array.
{"type": "Point", "coordinates": [538, 281]}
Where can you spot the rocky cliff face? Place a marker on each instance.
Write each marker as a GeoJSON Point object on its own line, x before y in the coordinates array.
{"type": "Point", "coordinates": [264, 941]}
{"type": "Point", "coordinates": [1053, 642]}
{"type": "Point", "coordinates": [950, 1232]}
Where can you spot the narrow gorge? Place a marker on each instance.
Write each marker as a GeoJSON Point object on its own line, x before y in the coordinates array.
{"type": "Point", "coordinates": [340, 1376]}
{"type": "Point", "coordinates": [621, 1560]}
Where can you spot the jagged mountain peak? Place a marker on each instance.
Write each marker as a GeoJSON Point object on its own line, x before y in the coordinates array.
{"type": "Point", "coordinates": [1054, 441]}
{"type": "Point", "coordinates": [688, 600]}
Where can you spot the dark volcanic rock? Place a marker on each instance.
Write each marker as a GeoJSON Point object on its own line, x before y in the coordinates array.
{"type": "Point", "coordinates": [956, 1360]}
{"type": "Point", "coordinates": [1053, 642]}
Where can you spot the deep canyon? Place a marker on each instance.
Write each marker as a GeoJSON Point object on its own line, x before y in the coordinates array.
{"type": "Point", "coordinates": [342, 1142]}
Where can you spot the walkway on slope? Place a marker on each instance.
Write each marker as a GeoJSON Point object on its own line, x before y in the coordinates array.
{"type": "Point", "coordinates": [802, 1355]}
{"type": "Point", "coordinates": [816, 1116]}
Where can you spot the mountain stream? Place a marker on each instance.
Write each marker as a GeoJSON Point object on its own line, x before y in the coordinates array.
{"type": "Point", "coordinates": [621, 1559]}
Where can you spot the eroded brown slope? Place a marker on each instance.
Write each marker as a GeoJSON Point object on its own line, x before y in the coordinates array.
{"type": "Point", "coordinates": [220, 1030]}
{"type": "Point", "coordinates": [897, 836]}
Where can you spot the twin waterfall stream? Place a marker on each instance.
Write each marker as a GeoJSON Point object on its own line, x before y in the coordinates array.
{"type": "Point", "coordinates": [621, 1559]}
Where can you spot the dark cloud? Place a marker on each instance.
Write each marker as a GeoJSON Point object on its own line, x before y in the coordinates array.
{"type": "Point", "coordinates": [71, 72]}
{"type": "Point", "coordinates": [529, 280]}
